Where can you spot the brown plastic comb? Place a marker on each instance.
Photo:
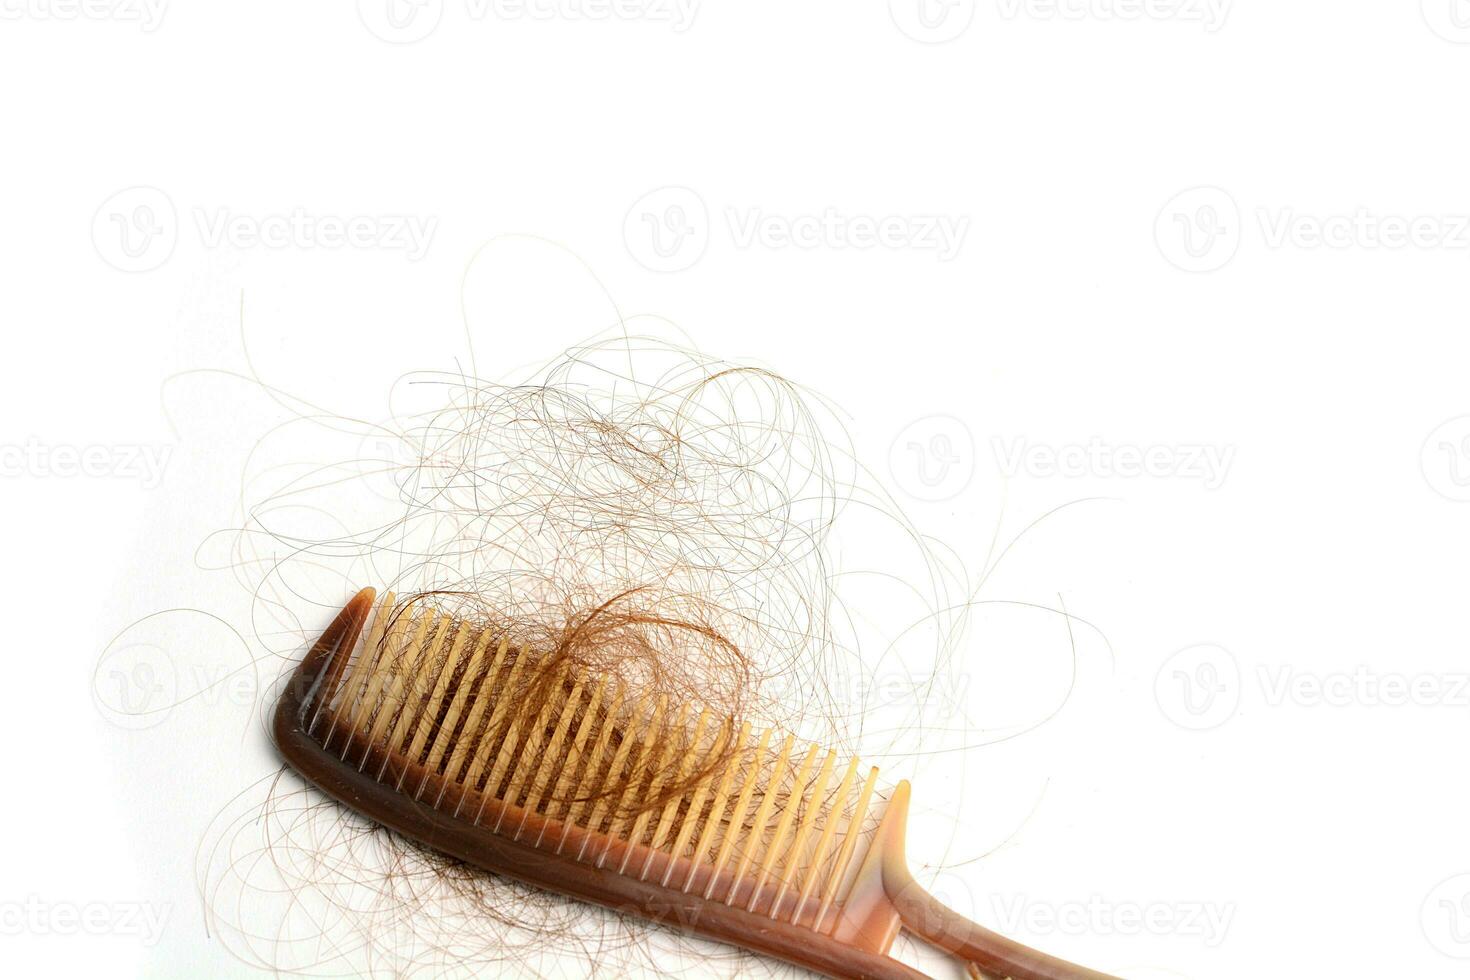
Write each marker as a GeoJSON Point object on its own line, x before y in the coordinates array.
{"type": "Point", "coordinates": [415, 731]}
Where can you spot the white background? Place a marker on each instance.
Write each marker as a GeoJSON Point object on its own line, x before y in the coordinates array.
{"type": "Point", "coordinates": [1230, 231]}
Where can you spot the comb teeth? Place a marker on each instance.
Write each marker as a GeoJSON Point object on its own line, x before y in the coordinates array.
{"type": "Point", "coordinates": [575, 765]}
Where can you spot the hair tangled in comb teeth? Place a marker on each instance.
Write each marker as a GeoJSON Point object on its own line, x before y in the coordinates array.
{"type": "Point", "coordinates": [529, 741]}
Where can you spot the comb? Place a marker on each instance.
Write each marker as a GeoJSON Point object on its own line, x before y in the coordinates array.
{"type": "Point", "coordinates": [420, 723]}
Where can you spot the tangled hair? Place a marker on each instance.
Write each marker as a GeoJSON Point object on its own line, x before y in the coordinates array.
{"type": "Point", "coordinates": [632, 510]}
